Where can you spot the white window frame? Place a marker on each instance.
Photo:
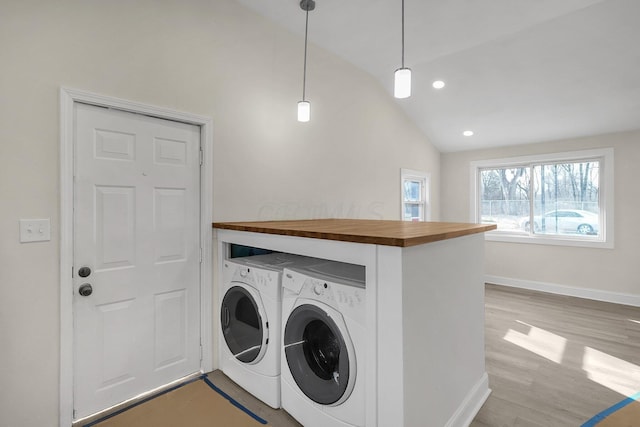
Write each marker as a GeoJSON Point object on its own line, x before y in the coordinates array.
{"type": "Point", "coordinates": [606, 194]}
{"type": "Point", "coordinates": [424, 178]}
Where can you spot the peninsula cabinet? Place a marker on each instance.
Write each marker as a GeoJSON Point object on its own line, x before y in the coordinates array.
{"type": "Point", "coordinates": [425, 362]}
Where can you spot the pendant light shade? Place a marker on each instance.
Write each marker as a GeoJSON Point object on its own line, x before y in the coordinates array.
{"type": "Point", "coordinates": [402, 84]}
{"type": "Point", "coordinates": [402, 81]}
{"type": "Point", "coordinates": [304, 111]}
{"type": "Point", "coordinates": [304, 107]}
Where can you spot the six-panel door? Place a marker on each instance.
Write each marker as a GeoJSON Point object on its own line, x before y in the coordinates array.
{"type": "Point", "coordinates": [136, 227]}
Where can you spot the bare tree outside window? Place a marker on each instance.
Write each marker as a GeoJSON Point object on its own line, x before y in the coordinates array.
{"type": "Point", "coordinates": [566, 198]}
{"type": "Point", "coordinates": [504, 196]}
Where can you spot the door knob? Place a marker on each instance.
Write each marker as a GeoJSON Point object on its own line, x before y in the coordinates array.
{"type": "Point", "coordinates": [85, 290]}
{"type": "Point", "coordinates": [84, 272]}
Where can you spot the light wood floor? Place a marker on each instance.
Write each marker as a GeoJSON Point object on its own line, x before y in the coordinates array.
{"type": "Point", "coordinates": [553, 361]}
{"type": "Point", "coordinates": [591, 357]}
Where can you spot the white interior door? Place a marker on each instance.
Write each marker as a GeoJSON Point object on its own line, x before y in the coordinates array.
{"type": "Point", "coordinates": [136, 227]}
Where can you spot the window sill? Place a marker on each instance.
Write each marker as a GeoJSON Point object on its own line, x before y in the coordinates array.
{"type": "Point", "coordinates": [584, 242]}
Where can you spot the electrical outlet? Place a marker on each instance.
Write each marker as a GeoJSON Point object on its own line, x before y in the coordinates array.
{"type": "Point", "coordinates": [35, 230]}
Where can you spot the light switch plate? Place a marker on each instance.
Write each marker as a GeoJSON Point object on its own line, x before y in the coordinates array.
{"type": "Point", "coordinates": [35, 230]}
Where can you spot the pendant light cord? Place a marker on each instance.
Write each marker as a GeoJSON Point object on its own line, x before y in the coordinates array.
{"type": "Point", "coordinates": [402, 33]}
{"type": "Point", "coordinates": [304, 73]}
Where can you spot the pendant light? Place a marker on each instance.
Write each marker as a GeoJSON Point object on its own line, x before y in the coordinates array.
{"type": "Point", "coordinates": [304, 107]}
{"type": "Point", "coordinates": [402, 84]}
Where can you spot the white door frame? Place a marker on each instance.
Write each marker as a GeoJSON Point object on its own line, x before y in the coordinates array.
{"type": "Point", "coordinates": [68, 97]}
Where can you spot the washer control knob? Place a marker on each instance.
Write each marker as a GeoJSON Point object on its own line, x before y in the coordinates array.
{"type": "Point", "coordinates": [319, 288]}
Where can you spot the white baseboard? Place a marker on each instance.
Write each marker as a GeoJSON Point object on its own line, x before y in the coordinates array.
{"type": "Point", "coordinates": [470, 406]}
{"type": "Point", "coordinates": [554, 288]}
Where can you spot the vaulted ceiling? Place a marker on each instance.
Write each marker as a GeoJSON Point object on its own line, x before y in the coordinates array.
{"type": "Point", "coordinates": [516, 71]}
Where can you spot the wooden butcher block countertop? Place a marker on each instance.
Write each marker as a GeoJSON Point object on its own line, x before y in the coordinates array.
{"type": "Point", "coordinates": [376, 232]}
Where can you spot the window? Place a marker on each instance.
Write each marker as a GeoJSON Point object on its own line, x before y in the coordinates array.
{"type": "Point", "coordinates": [414, 189]}
{"type": "Point", "coordinates": [564, 198]}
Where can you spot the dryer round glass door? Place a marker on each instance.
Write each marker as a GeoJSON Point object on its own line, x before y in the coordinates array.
{"type": "Point", "coordinates": [317, 355]}
{"type": "Point", "coordinates": [242, 325]}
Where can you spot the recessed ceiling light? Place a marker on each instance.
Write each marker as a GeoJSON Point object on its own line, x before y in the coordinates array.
{"type": "Point", "coordinates": [438, 84]}
{"type": "Point", "coordinates": [468, 133]}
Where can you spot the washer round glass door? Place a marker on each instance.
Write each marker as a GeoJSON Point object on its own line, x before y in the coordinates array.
{"type": "Point", "coordinates": [242, 325]}
{"type": "Point", "coordinates": [317, 355]}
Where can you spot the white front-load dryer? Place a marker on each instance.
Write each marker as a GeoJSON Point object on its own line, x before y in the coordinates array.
{"type": "Point", "coordinates": [250, 321]}
{"type": "Point", "coordinates": [323, 353]}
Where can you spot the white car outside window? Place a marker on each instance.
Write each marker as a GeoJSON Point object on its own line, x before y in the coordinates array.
{"type": "Point", "coordinates": [565, 221]}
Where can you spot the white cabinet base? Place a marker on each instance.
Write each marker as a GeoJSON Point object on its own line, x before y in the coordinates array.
{"type": "Point", "coordinates": [425, 318]}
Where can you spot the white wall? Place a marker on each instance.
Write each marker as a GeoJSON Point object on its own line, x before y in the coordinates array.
{"type": "Point", "coordinates": [606, 271]}
{"type": "Point", "coordinates": [213, 58]}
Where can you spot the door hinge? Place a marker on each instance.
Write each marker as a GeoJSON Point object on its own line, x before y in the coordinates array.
{"type": "Point", "coordinates": [200, 255]}
{"type": "Point", "coordinates": [201, 156]}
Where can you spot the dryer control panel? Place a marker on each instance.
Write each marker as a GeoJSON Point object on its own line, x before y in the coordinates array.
{"type": "Point", "coordinates": [267, 282]}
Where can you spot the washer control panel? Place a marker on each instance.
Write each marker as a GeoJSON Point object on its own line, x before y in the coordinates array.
{"type": "Point", "coordinates": [348, 300]}
{"type": "Point", "coordinates": [318, 290]}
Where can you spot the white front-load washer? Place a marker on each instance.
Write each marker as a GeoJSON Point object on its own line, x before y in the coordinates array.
{"type": "Point", "coordinates": [250, 322]}
{"type": "Point", "coordinates": [324, 333]}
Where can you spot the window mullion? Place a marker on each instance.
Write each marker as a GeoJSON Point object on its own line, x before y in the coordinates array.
{"type": "Point", "coordinates": [532, 182]}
